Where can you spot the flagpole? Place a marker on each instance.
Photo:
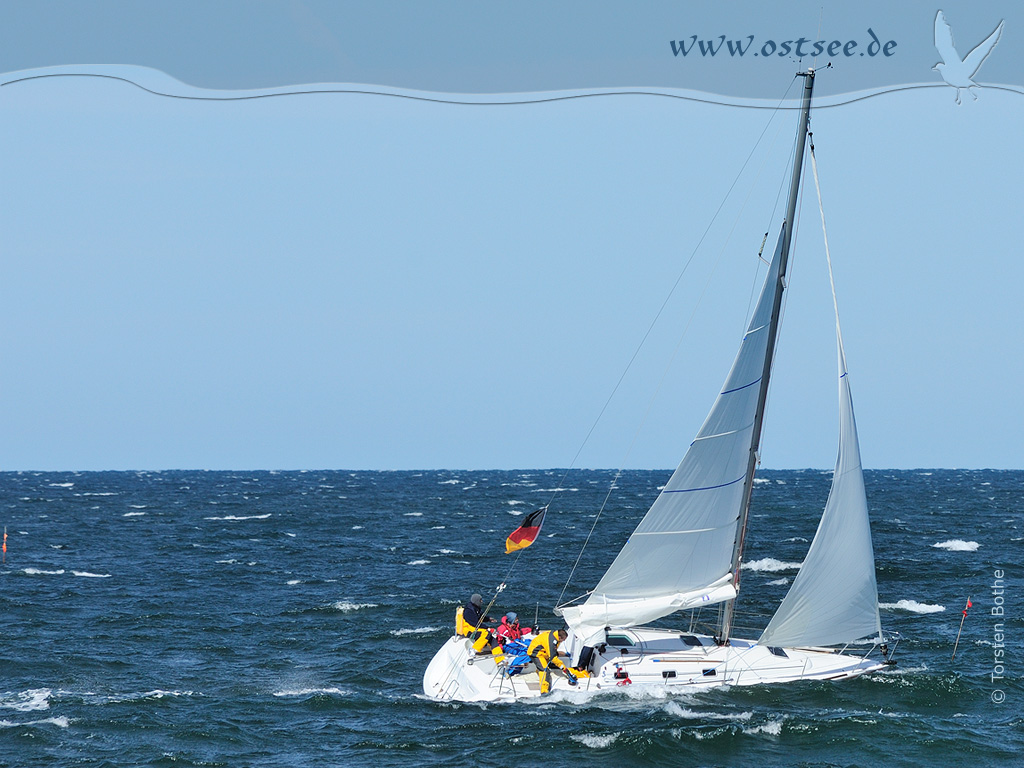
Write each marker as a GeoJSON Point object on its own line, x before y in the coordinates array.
{"type": "Point", "coordinates": [962, 620]}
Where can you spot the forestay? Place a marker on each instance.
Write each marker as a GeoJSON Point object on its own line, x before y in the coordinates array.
{"type": "Point", "coordinates": [680, 555]}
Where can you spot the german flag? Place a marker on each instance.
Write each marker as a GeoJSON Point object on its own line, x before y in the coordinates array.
{"type": "Point", "coordinates": [527, 533]}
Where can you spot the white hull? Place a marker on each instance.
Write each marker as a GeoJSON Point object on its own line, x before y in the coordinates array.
{"type": "Point", "coordinates": [650, 657]}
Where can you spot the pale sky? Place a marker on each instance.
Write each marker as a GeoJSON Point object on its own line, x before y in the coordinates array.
{"type": "Point", "coordinates": [370, 282]}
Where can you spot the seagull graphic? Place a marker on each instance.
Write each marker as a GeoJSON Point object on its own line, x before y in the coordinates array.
{"type": "Point", "coordinates": [955, 71]}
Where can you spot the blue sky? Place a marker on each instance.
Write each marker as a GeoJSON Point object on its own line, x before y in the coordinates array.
{"type": "Point", "coordinates": [364, 281]}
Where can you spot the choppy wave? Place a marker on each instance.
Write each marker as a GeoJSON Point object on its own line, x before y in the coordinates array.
{"type": "Point", "coordinates": [240, 517]}
{"type": "Point", "coordinates": [41, 572]}
{"type": "Point", "coordinates": [770, 565]}
{"type": "Point", "coordinates": [771, 728]}
{"type": "Point", "coordinates": [60, 722]}
{"type": "Point", "coordinates": [674, 709]}
{"type": "Point", "coordinates": [87, 575]}
{"type": "Point", "coordinates": [154, 695]}
{"type": "Point", "coordinates": [416, 631]}
{"type": "Point", "coordinates": [912, 606]}
{"type": "Point", "coordinates": [957, 545]}
{"type": "Point", "coordinates": [311, 692]}
{"type": "Point", "coordinates": [346, 607]}
{"type": "Point", "coordinates": [596, 740]}
{"type": "Point", "coordinates": [32, 700]}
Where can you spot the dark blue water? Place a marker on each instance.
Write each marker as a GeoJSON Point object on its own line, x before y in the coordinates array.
{"type": "Point", "coordinates": [284, 619]}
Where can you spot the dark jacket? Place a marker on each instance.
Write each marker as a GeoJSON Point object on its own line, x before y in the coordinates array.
{"type": "Point", "coordinates": [471, 615]}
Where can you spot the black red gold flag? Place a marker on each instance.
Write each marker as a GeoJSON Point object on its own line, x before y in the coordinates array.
{"type": "Point", "coordinates": [527, 533]}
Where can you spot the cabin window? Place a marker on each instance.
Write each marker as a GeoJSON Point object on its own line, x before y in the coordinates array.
{"type": "Point", "coordinates": [709, 673]}
{"type": "Point", "coordinates": [668, 673]}
{"type": "Point", "coordinates": [620, 641]}
{"type": "Point", "coordinates": [691, 641]}
{"type": "Point", "coordinates": [775, 651]}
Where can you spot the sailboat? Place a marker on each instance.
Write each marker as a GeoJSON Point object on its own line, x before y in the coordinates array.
{"type": "Point", "coordinates": [686, 553]}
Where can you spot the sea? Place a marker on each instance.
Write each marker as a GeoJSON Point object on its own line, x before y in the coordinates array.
{"type": "Point", "coordinates": [201, 618]}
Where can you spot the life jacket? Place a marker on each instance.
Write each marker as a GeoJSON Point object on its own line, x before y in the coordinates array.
{"type": "Point", "coordinates": [511, 631]}
{"type": "Point", "coordinates": [460, 623]}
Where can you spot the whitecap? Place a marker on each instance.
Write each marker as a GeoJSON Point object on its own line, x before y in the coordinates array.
{"type": "Point", "coordinates": [594, 740]}
{"type": "Point", "coordinates": [138, 506]}
{"type": "Point", "coordinates": [32, 700]}
{"type": "Point", "coordinates": [437, 528]}
{"type": "Point", "coordinates": [796, 538]}
{"type": "Point", "coordinates": [514, 503]}
{"type": "Point", "coordinates": [60, 722]}
{"type": "Point", "coordinates": [449, 482]}
{"type": "Point", "coordinates": [672, 708]}
{"type": "Point", "coordinates": [40, 572]}
{"type": "Point", "coordinates": [413, 514]}
{"type": "Point", "coordinates": [61, 485]}
{"type": "Point", "coordinates": [778, 582]}
{"type": "Point", "coordinates": [418, 562]}
{"type": "Point", "coordinates": [357, 527]}
{"type": "Point", "coordinates": [133, 514]}
{"type": "Point", "coordinates": [417, 631]}
{"type": "Point", "coordinates": [957, 545]}
{"type": "Point", "coordinates": [912, 606]}
{"type": "Point", "coordinates": [157, 693]}
{"type": "Point", "coordinates": [312, 692]}
{"type": "Point", "coordinates": [96, 493]}
{"type": "Point", "coordinates": [88, 575]}
{"type": "Point", "coordinates": [346, 607]}
{"type": "Point", "coordinates": [772, 728]}
{"type": "Point", "coordinates": [240, 517]}
{"type": "Point", "coordinates": [293, 582]}
{"type": "Point", "coordinates": [770, 565]}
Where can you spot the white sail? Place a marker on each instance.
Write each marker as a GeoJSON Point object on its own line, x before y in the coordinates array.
{"type": "Point", "coordinates": [680, 555]}
{"type": "Point", "coordinates": [834, 598]}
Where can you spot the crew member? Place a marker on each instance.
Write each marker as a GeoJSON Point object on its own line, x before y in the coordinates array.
{"type": "Point", "coordinates": [543, 650]}
{"type": "Point", "coordinates": [473, 621]}
{"type": "Point", "coordinates": [509, 628]}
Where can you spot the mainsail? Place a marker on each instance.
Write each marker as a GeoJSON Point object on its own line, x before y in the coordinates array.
{"type": "Point", "coordinates": [681, 554]}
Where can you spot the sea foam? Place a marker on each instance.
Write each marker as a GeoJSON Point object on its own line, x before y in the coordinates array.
{"type": "Point", "coordinates": [912, 606]}
{"type": "Point", "coordinates": [770, 565]}
{"type": "Point", "coordinates": [957, 545]}
{"type": "Point", "coordinates": [594, 740]}
{"type": "Point", "coordinates": [240, 517]}
{"type": "Point", "coordinates": [32, 700]}
{"type": "Point", "coordinates": [346, 607]}
{"type": "Point", "coordinates": [312, 692]}
{"type": "Point", "coordinates": [416, 631]}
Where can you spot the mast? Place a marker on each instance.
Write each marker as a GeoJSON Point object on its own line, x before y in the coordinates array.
{"type": "Point", "coordinates": [773, 332]}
